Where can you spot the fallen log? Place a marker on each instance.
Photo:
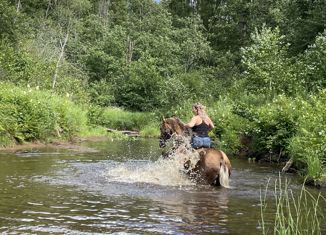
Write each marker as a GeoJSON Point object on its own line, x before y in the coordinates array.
{"type": "Point", "coordinates": [125, 132]}
{"type": "Point", "coordinates": [287, 165]}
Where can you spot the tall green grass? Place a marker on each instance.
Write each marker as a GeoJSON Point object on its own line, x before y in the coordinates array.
{"type": "Point", "coordinates": [300, 214]}
{"type": "Point", "coordinates": [118, 119]}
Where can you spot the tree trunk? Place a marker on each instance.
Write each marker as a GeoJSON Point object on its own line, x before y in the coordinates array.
{"type": "Point", "coordinates": [47, 9]}
{"type": "Point", "coordinates": [63, 45]}
{"type": "Point", "coordinates": [103, 8]}
{"type": "Point", "coordinates": [287, 165]}
{"type": "Point", "coordinates": [130, 48]}
{"type": "Point", "coordinates": [19, 6]}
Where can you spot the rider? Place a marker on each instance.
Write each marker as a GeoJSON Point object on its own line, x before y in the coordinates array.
{"type": "Point", "coordinates": [200, 125]}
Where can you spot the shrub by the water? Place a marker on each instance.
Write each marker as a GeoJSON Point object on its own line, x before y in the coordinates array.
{"type": "Point", "coordinates": [29, 114]}
{"type": "Point", "coordinates": [228, 125]}
{"type": "Point", "coordinates": [275, 130]}
{"type": "Point", "coordinates": [274, 124]}
{"type": "Point", "coordinates": [308, 145]}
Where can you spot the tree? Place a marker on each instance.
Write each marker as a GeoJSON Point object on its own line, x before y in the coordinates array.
{"type": "Point", "coordinates": [9, 22]}
{"type": "Point", "coordinates": [304, 20]}
{"type": "Point", "coordinates": [268, 70]}
{"type": "Point", "coordinates": [311, 65]}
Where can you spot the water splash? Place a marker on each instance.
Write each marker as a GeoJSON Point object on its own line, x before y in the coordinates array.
{"type": "Point", "coordinates": [162, 172]}
{"type": "Point", "coordinates": [168, 171]}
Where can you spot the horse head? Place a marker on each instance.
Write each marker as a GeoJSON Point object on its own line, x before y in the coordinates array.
{"type": "Point", "coordinates": [169, 127]}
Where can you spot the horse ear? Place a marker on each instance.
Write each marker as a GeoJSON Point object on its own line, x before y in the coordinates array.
{"type": "Point", "coordinates": [163, 119]}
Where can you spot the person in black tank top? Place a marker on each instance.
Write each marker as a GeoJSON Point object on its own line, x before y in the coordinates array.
{"type": "Point", "coordinates": [201, 130]}
{"type": "Point", "coordinates": [200, 124]}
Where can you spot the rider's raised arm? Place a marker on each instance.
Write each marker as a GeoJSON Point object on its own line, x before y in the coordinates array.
{"type": "Point", "coordinates": [192, 122]}
{"type": "Point", "coordinates": [211, 124]}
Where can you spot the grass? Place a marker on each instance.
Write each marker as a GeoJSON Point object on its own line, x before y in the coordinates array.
{"type": "Point", "coordinates": [150, 130]}
{"type": "Point", "coordinates": [119, 119]}
{"type": "Point", "coordinates": [93, 131]}
{"type": "Point", "coordinates": [295, 214]}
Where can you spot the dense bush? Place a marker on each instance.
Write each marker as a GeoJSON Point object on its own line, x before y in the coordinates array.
{"type": "Point", "coordinates": [278, 130]}
{"type": "Point", "coordinates": [28, 115]}
{"type": "Point", "coordinates": [228, 125]}
{"type": "Point", "coordinates": [140, 88]}
{"type": "Point", "coordinates": [10, 22]}
{"type": "Point", "coordinates": [274, 124]}
{"type": "Point", "coordinates": [308, 146]}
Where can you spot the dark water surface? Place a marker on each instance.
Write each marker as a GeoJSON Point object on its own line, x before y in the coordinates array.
{"type": "Point", "coordinates": [125, 189]}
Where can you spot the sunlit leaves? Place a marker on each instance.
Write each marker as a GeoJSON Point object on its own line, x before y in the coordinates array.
{"type": "Point", "coordinates": [268, 69]}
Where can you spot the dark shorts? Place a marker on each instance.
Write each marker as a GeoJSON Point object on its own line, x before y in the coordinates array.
{"type": "Point", "coordinates": [200, 142]}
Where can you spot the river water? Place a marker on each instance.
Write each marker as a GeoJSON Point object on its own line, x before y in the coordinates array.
{"type": "Point", "coordinates": [125, 188]}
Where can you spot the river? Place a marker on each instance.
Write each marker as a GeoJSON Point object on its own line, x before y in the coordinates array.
{"type": "Point", "coordinates": [125, 188]}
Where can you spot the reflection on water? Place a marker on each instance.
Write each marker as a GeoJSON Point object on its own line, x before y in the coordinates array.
{"type": "Point", "coordinates": [124, 187]}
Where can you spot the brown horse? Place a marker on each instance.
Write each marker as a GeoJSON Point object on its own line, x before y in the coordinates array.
{"type": "Point", "coordinates": [213, 166]}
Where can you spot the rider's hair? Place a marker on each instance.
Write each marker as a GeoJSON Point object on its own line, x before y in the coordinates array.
{"type": "Point", "coordinates": [200, 110]}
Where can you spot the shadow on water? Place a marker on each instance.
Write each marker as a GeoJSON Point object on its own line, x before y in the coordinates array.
{"type": "Point", "coordinates": [125, 187]}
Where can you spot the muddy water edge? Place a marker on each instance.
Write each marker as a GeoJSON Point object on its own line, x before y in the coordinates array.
{"type": "Point", "coordinates": [124, 187]}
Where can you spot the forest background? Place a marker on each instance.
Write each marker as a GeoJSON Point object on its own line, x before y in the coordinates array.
{"type": "Point", "coordinates": [76, 67]}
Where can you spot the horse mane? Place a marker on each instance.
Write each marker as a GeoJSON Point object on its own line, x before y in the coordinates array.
{"type": "Point", "coordinates": [177, 125]}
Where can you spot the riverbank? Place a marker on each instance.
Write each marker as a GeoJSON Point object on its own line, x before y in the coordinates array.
{"type": "Point", "coordinates": [73, 145]}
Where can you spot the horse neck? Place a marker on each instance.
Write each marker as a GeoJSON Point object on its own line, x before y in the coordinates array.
{"type": "Point", "coordinates": [180, 128]}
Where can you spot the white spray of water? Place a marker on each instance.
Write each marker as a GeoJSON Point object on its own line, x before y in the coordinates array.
{"type": "Point", "coordinates": [163, 171]}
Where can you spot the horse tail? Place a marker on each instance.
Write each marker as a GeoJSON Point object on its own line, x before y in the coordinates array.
{"type": "Point", "coordinates": [224, 172]}
{"type": "Point", "coordinates": [224, 176]}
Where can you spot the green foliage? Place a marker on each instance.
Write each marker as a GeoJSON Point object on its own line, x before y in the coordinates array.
{"type": "Point", "coordinates": [101, 93]}
{"type": "Point", "coordinates": [29, 115]}
{"type": "Point", "coordinates": [194, 48]}
{"type": "Point", "coordinates": [231, 23]}
{"type": "Point", "coordinates": [104, 58]}
{"type": "Point", "coordinates": [267, 68]}
{"type": "Point", "coordinates": [140, 89]}
{"type": "Point", "coordinates": [312, 65]}
{"type": "Point", "coordinates": [10, 22]}
{"type": "Point", "coordinates": [302, 22]}
{"type": "Point", "coordinates": [228, 125]}
{"type": "Point", "coordinates": [308, 146]}
{"type": "Point", "coordinates": [274, 126]}
{"type": "Point", "coordinates": [179, 8]}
